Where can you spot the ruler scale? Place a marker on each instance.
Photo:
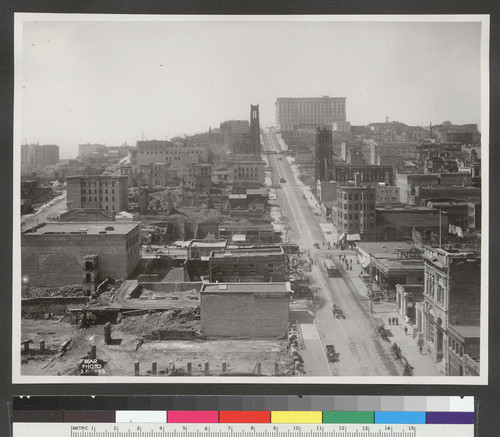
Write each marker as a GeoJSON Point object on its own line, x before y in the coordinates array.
{"type": "Point", "coordinates": [340, 417]}
{"type": "Point", "coordinates": [282, 430]}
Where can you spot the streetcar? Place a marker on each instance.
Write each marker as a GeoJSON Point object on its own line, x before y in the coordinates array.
{"type": "Point", "coordinates": [331, 268]}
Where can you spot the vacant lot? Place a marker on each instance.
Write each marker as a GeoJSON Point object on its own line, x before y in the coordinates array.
{"type": "Point", "coordinates": [241, 355]}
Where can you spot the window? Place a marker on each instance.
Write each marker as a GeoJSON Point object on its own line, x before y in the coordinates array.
{"type": "Point", "coordinates": [270, 268]}
{"type": "Point", "coordinates": [251, 269]}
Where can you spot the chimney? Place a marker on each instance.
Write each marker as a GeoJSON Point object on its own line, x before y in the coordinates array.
{"type": "Point", "coordinates": [357, 179]}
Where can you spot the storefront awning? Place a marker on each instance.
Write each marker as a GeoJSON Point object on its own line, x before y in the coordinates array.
{"type": "Point", "coordinates": [341, 236]}
{"type": "Point", "coordinates": [365, 263]}
{"type": "Point", "coordinates": [353, 237]}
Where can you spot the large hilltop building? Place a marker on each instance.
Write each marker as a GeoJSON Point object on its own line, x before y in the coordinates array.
{"type": "Point", "coordinates": [294, 113]}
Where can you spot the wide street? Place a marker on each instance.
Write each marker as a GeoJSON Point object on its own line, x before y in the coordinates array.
{"type": "Point", "coordinates": [362, 352]}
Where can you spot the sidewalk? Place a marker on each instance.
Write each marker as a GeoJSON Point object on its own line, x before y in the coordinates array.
{"type": "Point", "coordinates": [423, 364]}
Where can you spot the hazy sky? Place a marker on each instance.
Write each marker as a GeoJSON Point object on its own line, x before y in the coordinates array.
{"type": "Point", "coordinates": [106, 82]}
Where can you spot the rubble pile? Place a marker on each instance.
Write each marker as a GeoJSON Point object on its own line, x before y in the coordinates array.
{"type": "Point", "coordinates": [176, 319]}
{"type": "Point", "coordinates": [65, 291]}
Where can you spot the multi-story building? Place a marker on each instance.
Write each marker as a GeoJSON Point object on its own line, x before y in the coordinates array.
{"type": "Point", "coordinates": [409, 183]}
{"type": "Point", "coordinates": [452, 297]}
{"type": "Point", "coordinates": [422, 195]}
{"type": "Point", "coordinates": [369, 174]}
{"type": "Point", "coordinates": [52, 254]}
{"type": "Point", "coordinates": [294, 113]}
{"type": "Point", "coordinates": [109, 193]}
{"type": "Point", "coordinates": [160, 174]}
{"type": "Point", "coordinates": [408, 223]}
{"type": "Point", "coordinates": [356, 210]}
{"type": "Point", "coordinates": [386, 194]}
{"type": "Point", "coordinates": [261, 264]}
{"type": "Point", "coordinates": [249, 172]}
{"type": "Point", "coordinates": [199, 177]}
{"type": "Point", "coordinates": [149, 152]}
{"type": "Point", "coordinates": [36, 157]}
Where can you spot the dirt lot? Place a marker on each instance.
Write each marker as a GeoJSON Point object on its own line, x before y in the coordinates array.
{"type": "Point", "coordinates": [241, 356]}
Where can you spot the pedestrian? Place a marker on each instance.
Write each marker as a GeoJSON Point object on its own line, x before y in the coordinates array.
{"type": "Point", "coordinates": [397, 320]}
{"type": "Point", "coordinates": [406, 330]}
{"type": "Point", "coordinates": [390, 320]}
{"type": "Point", "coordinates": [420, 349]}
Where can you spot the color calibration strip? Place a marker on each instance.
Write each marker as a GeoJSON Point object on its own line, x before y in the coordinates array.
{"type": "Point", "coordinates": [272, 417]}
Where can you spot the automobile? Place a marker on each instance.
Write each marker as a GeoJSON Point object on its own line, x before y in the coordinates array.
{"type": "Point", "coordinates": [283, 180]}
{"type": "Point", "coordinates": [279, 158]}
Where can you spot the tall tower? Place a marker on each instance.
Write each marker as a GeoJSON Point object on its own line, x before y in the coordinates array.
{"type": "Point", "coordinates": [323, 155]}
{"type": "Point", "coordinates": [255, 129]}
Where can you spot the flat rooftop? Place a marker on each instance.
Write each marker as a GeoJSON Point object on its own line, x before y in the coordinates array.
{"type": "Point", "coordinates": [384, 249]}
{"type": "Point", "coordinates": [247, 252]}
{"type": "Point", "coordinates": [393, 265]}
{"type": "Point", "coordinates": [249, 287]}
{"type": "Point", "coordinates": [88, 228]}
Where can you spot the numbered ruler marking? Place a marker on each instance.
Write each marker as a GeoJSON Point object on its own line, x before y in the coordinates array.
{"type": "Point", "coordinates": [238, 430]}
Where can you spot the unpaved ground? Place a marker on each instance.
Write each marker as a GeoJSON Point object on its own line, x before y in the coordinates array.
{"type": "Point", "coordinates": [241, 356]}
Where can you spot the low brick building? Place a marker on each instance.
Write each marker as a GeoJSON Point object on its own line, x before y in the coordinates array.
{"type": "Point", "coordinates": [52, 254]}
{"type": "Point", "coordinates": [260, 264]}
{"type": "Point", "coordinates": [245, 309]}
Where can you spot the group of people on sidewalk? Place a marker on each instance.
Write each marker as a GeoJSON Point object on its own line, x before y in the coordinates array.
{"type": "Point", "coordinates": [347, 262]}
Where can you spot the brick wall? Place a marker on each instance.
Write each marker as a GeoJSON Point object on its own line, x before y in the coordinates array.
{"type": "Point", "coordinates": [242, 315]}
{"type": "Point", "coordinates": [55, 260]}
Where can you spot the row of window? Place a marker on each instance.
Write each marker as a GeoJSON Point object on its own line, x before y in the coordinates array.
{"type": "Point", "coordinates": [355, 216]}
{"type": "Point", "coordinates": [358, 206]}
{"type": "Point", "coordinates": [172, 152]}
{"type": "Point", "coordinates": [355, 196]}
{"type": "Point", "coordinates": [84, 191]}
{"type": "Point", "coordinates": [84, 199]}
{"type": "Point", "coordinates": [93, 184]}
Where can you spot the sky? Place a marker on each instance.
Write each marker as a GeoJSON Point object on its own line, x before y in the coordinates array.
{"type": "Point", "coordinates": [112, 82]}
